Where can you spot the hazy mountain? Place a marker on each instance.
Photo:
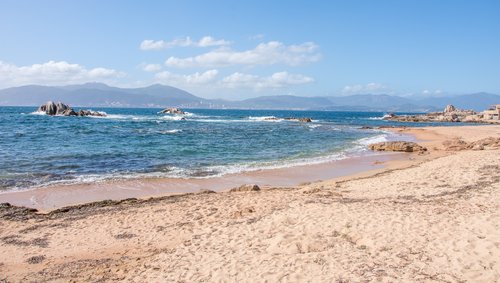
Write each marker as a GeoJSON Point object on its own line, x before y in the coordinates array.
{"type": "Point", "coordinates": [476, 101]}
{"type": "Point", "coordinates": [283, 102]}
{"type": "Point", "coordinates": [101, 95]}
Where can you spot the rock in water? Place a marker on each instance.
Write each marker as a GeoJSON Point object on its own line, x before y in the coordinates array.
{"type": "Point", "coordinates": [172, 110]}
{"type": "Point", "coordinates": [51, 108]}
{"type": "Point", "coordinates": [449, 108]}
{"type": "Point", "coordinates": [305, 120]}
{"type": "Point", "coordinates": [59, 108]}
{"type": "Point", "coordinates": [90, 113]}
{"type": "Point", "coordinates": [69, 112]}
{"type": "Point", "coordinates": [397, 146]}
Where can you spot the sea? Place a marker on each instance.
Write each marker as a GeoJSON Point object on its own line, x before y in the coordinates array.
{"type": "Point", "coordinates": [37, 150]}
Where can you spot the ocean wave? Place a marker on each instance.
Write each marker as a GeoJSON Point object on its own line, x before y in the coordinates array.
{"type": "Point", "coordinates": [174, 131]}
{"type": "Point", "coordinates": [375, 139]}
{"type": "Point", "coordinates": [265, 119]}
{"type": "Point", "coordinates": [375, 118]}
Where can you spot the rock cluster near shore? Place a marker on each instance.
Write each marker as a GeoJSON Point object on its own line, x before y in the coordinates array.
{"type": "Point", "coordinates": [401, 146]}
{"type": "Point", "coordinates": [449, 114]}
{"type": "Point", "coordinates": [60, 109]}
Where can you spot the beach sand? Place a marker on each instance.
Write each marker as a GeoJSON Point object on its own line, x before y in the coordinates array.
{"type": "Point", "coordinates": [428, 218]}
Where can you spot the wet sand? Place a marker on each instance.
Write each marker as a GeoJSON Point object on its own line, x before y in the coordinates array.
{"type": "Point", "coordinates": [53, 197]}
{"type": "Point", "coordinates": [427, 218]}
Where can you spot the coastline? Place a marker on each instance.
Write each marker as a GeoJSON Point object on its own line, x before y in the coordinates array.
{"type": "Point", "coordinates": [46, 198]}
{"type": "Point", "coordinates": [431, 217]}
{"type": "Point", "coordinates": [53, 197]}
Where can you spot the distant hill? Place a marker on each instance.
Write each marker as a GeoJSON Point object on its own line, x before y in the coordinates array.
{"type": "Point", "coordinates": [101, 95]}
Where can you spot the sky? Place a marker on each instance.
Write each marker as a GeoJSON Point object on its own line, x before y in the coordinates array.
{"type": "Point", "coordinates": [242, 49]}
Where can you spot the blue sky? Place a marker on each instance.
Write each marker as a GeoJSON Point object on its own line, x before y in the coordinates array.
{"type": "Point", "coordinates": [240, 49]}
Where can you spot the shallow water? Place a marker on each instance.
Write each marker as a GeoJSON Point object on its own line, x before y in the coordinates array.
{"type": "Point", "coordinates": [38, 150]}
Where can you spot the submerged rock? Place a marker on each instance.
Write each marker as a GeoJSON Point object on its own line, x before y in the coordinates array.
{"type": "Point", "coordinates": [397, 146]}
{"type": "Point", "coordinates": [172, 110]}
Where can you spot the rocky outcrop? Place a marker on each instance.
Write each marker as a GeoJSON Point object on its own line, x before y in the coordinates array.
{"type": "Point", "coordinates": [401, 146]}
{"type": "Point", "coordinates": [173, 110]}
{"type": "Point", "coordinates": [51, 108]}
{"type": "Point", "coordinates": [450, 114]}
{"type": "Point", "coordinates": [483, 144]}
{"type": "Point", "coordinates": [90, 113]}
{"type": "Point", "coordinates": [245, 188]}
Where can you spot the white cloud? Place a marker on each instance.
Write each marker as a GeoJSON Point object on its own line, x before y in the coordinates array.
{"type": "Point", "coordinates": [205, 41]}
{"type": "Point", "coordinates": [192, 79]}
{"type": "Point", "coordinates": [151, 67]}
{"type": "Point", "coordinates": [53, 72]}
{"type": "Point", "coordinates": [276, 80]}
{"type": "Point", "coordinates": [269, 53]}
{"type": "Point", "coordinates": [208, 41]}
{"type": "Point", "coordinates": [370, 88]}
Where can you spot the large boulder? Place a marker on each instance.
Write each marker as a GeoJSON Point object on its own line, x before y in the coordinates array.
{"type": "Point", "coordinates": [402, 146]}
{"type": "Point", "coordinates": [172, 110]}
{"type": "Point", "coordinates": [51, 108]}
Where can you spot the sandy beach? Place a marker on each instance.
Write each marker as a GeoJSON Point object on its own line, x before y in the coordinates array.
{"type": "Point", "coordinates": [431, 217]}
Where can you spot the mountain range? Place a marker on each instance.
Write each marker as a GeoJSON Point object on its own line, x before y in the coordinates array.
{"type": "Point", "coordinates": [158, 96]}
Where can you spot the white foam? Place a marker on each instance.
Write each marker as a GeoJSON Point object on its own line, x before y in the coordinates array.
{"type": "Point", "coordinates": [174, 131]}
{"type": "Point", "coordinates": [374, 139]}
{"type": "Point", "coordinates": [172, 118]}
{"type": "Point", "coordinates": [375, 118]}
{"type": "Point", "coordinates": [265, 119]}
{"type": "Point", "coordinates": [38, 113]}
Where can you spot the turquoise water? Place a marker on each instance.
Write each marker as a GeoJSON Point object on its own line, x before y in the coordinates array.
{"type": "Point", "coordinates": [37, 150]}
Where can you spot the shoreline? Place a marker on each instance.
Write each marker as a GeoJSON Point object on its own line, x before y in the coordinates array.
{"type": "Point", "coordinates": [47, 198]}
{"type": "Point", "coordinates": [432, 218]}
{"type": "Point", "coordinates": [54, 197]}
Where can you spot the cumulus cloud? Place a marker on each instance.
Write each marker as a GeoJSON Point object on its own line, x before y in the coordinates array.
{"type": "Point", "coordinates": [53, 72]}
{"type": "Point", "coordinates": [370, 88]}
{"type": "Point", "coordinates": [192, 79]}
{"type": "Point", "coordinates": [205, 41]}
{"type": "Point", "coordinates": [151, 67]}
{"type": "Point", "coordinates": [269, 53]}
{"type": "Point", "coordinates": [276, 80]}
